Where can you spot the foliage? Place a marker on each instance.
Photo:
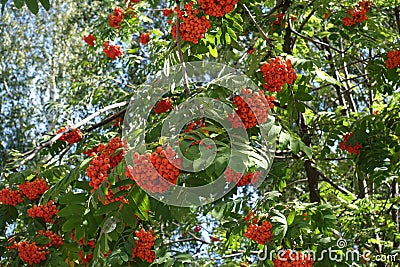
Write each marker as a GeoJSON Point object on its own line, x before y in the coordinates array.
{"type": "Point", "coordinates": [342, 93]}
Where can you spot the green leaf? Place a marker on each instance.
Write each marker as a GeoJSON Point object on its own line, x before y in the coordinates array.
{"type": "Point", "coordinates": [227, 38]}
{"type": "Point", "coordinates": [71, 223]}
{"type": "Point", "coordinates": [45, 4]}
{"type": "Point", "coordinates": [303, 96]}
{"type": "Point", "coordinates": [108, 208]}
{"type": "Point", "coordinates": [42, 240]}
{"type": "Point", "coordinates": [19, 3]}
{"type": "Point", "coordinates": [291, 216]}
{"type": "Point", "coordinates": [325, 77]}
{"type": "Point", "coordinates": [72, 198]}
{"type": "Point", "coordinates": [294, 145]}
{"type": "Point", "coordinates": [32, 5]}
{"type": "Point", "coordinates": [213, 51]}
{"type": "Point", "coordinates": [128, 215]}
{"type": "Point", "coordinates": [75, 209]}
{"type": "Point", "coordinates": [307, 150]}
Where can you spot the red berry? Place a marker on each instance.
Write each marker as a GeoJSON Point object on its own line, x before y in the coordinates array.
{"type": "Point", "coordinates": [112, 51]}
{"type": "Point", "coordinates": [144, 38]}
{"type": "Point", "coordinates": [90, 39]}
{"type": "Point", "coordinates": [163, 106]}
{"type": "Point", "coordinates": [144, 245]}
{"type": "Point", "coordinates": [33, 190]}
{"type": "Point", "coordinates": [72, 136]}
{"type": "Point", "coordinates": [46, 212]}
{"type": "Point", "coordinates": [117, 18]}
{"type": "Point", "coordinates": [154, 172]}
{"type": "Point", "coordinates": [350, 148]}
{"type": "Point", "coordinates": [251, 109]}
{"type": "Point", "coordinates": [393, 59]}
{"type": "Point", "coordinates": [10, 197]}
{"type": "Point", "coordinates": [276, 73]}
{"type": "Point", "coordinates": [217, 8]}
{"type": "Point", "coordinates": [192, 27]}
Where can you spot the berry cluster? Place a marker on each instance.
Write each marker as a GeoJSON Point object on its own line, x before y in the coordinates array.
{"type": "Point", "coordinates": [241, 180]}
{"type": "Point", "coordinates": [144, 38]}
{"type": "Point", "coordinates": [55, 239]}
{"type": "Point", "coordinates": [33, 190]}
{"type": "Point", "coordinates": [112, 51]}
{"type": "Point", "coordinates": [194, 125]}
{"type": "Point", "coordinates": [144, 245]}
{"type": "Point", "coordinates": [30, 252]}
{"type": "Point", "coordinates": [154, 172]}
{"type": "Point", "coordinates": [393, 59]}
{"type": "Point", "coordinates": [276, 73]}
{"type": "Point", "coordinates": [10, 197]}
{"type": "Point", "coordinates": [85, 259]}
{"type": "Point", "coordinates": [43, 211]}
{"type": "Point", "coordinates": [357, 14]}
{"type": "Point", "coordinates": [110, 195]}
{"type": "Point", "coordinates": [118, 121]}
{"type": "Point", "coordinates": [270, 99]}
{"type": "Point", "coordinates": [348, 147]}
{"type": "Point", "coordinates": [163, 106]}
{"type": "Point", "coordinates": [259, 233]}
{"type": "Point", "coordinates": [71, 137]}
{"type": "Point", "coordinates": [167, 12]}
{"type": "Point", "coordinates": [197, 228]}
{"type": "Point", "coordinates": [192, 27]}
{"type": "Point", "coordinates": [293, 259]}
{"type": "Point", "coordinates": [251, 109]}
{"type": "Point", "coordinates": [89, 39]}
{"type": "Point", "coordinates": [217, 8]}
{"type": "Point", "coordinates": [91, 243]}
{"type": "Point", "coordinates": [104, 161]}
{"type": "Point", "coordinates": [279, 18]}
{"type": "Point", "coordinates": [117, 18]}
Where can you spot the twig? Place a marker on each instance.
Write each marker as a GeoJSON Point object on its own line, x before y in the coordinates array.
{"type": "Point", "coordinates": [104, 122]}
{"type": "Point", "coordinates": [32, 153]}
{"type": "Point", "coordinates": [397, 15]}
{"type": "Point", "coordinates": [186, 240]}
{"type": "Point", "coordinates": [296, 182]}
{"type": "Point", "coordinates": [311, 39]}
{"type": "Point", "coordinates": [337, 187]}
{"type": "Point", "coordinates": [263, 34]}
{"type": "Point", "coordinates": [180, 54]}
{"type": "Point", "coordinates": [304, 24]}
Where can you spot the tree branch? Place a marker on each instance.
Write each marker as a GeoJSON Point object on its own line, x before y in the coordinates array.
{"type": "Point", "coordinates": [263, 34]}
{"type": "Point", "coordinates": [397, 16]}
{"type": "Point", "coordinates": [180, 54]}
{"type": "Point", "coordinates": [32, 153]}
{"type": "Point", "coordinates": [332, 183]}
{"type": "Point", "coordinates": [311, 39]}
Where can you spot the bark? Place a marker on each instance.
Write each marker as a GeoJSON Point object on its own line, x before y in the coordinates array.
{"type": "Point", "coordinates": [395, 209]}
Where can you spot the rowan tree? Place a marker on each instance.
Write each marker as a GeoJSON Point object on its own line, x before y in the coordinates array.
{"type": "Point", "coordinates": [317, 96]}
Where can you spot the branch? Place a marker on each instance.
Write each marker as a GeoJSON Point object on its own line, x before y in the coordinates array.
{"type": "Point", "coordinates": [263, 34]}
{"type": "Point", "coordinates": [304, 24]}
{"type": "Point", "coordinates": [397, 16]}
{"type": "Point", "coordinates": [32, 153]}
{"type": "Point", "coordinates": [186, 240]}
{"type": "Point", "coordinates": [337, 187]}
{"type": "Point", "coordinates": [104, 122]}
{"type": "Point", "coordinates": [311, 39]}
{"type": "Point", "coordinates": [180, 54]}
{"type": "Point", "coordinates": [296, 182]}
